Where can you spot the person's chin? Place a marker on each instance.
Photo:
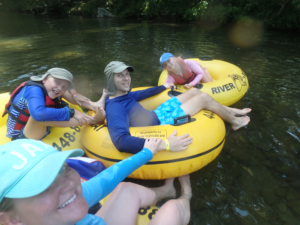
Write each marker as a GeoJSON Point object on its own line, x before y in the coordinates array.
{"type": "Point", "coordinates": [126, 89]}
{"type": "Point", "coordinates": [51, 96]}
{"type": "Point", "coordinates": [81, 209]}
{"type": "Point", "coordinates": [78, 210]}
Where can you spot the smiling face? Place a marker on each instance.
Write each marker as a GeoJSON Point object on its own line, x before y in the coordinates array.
{"type": "Point", "coordinates": [62, 203]}
{"type": "Point", "coordinates": [55, 87]}
{"type": "Point", "coordinates": [170, 64]}
{"type": "Point", "coordinates": [122, 82]}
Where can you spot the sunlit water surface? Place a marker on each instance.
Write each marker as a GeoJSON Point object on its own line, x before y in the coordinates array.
{"type": "Point", "coordinates": [256, 178]}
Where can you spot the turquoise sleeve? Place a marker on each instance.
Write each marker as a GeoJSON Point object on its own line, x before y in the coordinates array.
{"type": "Point", "coordinates": [104, 183]}
{"type": "Point", "coordinates": [90, 219]}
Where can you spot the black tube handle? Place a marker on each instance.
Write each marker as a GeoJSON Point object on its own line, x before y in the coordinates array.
{"type": "Point", "coordinates": [198, 86]}
{"type": "Point", "coordinates": [177, 119]}
{"type": "Point", "coordinates": [206, 58]}
{"type": "Point", "coordinates": [172, 89]}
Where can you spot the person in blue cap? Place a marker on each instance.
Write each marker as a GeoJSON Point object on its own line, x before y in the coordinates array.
{"type": "Point", "coordinates": [184, 72]}
{"type": "Point", "coordinates": [38, 188]}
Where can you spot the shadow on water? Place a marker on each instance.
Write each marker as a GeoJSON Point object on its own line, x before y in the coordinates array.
{"type": "Point", "coordinates": [255, 179]}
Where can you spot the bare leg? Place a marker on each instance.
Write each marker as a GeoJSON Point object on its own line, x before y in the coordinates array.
{"type": "Point", "coordinates": [99, 117]}
{"type": "Point", "coordinates": [100, 110]}
{"type": "Point", "coordinates": [240, 112]}
{"type": "Point", "coordinates": [204, 101]}
{"type": "Point", "coordinates": [176, 212]}
{"type": "Point", "coordinates": [101, 101]}
{"type": "Point", "coordinates": [37, 130]}
{"type": "Point", "coordinates": [166, 191]}
{"type": "Point", "coordinates": [184, 97]}
{"type": "Point", "coordinates": [206, 76]}
{"type": "Point", "coordinates": [127, 198]}
{"type": "Point", "coordinates": [94, 105]}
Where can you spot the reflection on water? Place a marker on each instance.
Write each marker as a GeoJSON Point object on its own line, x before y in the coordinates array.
{"type": "Point", "coordinates": [17, 43]}
{"type": "Point", "coordinates": [68, 54]}
{"type": "Point", "coordinates": [255, 180]}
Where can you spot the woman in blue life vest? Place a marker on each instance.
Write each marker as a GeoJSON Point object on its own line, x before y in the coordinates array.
{"type": "Point", "coordinates": [37, 104]}
{"type": "Point", "coordinates": [38, 188]}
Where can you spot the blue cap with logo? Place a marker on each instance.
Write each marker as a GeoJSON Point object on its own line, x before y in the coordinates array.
{"type": "Point", "coordinates": [29, 167]}
{"type": "Point", "coordinates": [164, 58]}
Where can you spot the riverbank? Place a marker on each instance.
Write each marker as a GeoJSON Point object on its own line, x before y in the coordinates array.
{"type": "Point", "coordinates": [272, 14]}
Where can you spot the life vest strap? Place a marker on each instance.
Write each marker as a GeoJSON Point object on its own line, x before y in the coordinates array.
{"type": "Point", "coordinates": [15, 118]}
{"type": "Point", "coordinates": [17, 109]}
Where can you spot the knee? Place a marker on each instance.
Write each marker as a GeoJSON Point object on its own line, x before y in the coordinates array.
{"type": "Point", "coordinates": [126, 188]}
{"type": "Point", "coordinates": [180, 207]}
{"type": "Point", "coordinates": [204, 96]}
{"type": "Point", "coordinates": [194, 91]}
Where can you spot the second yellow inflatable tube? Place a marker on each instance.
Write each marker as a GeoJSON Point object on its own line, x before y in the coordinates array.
{"type": "Point", "coordinates": [229, 84]}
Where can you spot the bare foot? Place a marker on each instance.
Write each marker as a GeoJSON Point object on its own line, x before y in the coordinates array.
{"type": "Point", "coordinates": [165, 191]}
{"type": "Point", "coordinates": [186, 190]}
{"type": "Point", "coordinates": [240, 112]}
{"type": "Point", "coordinates": [99, 117]}
{"type": "Point", "coordinates": [241, 122]}
{"type": "Point", "coordinates": [101, 101]}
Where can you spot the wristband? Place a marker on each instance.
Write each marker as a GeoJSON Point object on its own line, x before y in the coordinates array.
{"type": "Point", "coordinates": [73, 95]}
{"type": "Point", "coordinates": [167, 145]}
{"type": "Point", "coordinates": [72, 112]}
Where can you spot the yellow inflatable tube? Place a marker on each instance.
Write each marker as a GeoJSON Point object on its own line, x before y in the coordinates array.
{"type": "Point", "coordinates": [208, 132]}
{"type": "Point", "coordinates": [230, 82]}
{"type": "Point", "coordinates": [62, 138]}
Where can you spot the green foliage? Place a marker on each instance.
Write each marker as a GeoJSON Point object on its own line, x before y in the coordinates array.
{"type": "Point", "coordinates": [283, 14]}
{"type": "Point", "coordinates": [87, 8]}
{"type": "Point", "coordinates": [180, 9]}
{"type": "Point", "coordinates": [36, 6]}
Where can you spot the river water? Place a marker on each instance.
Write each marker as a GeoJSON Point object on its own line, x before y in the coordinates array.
{"type": "Point", "coordinates": [256, 178]}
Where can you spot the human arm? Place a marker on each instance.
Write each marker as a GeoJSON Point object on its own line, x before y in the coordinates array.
{"type": "Point", "coordinates": [39, 111]}
{"type": "Point", "coordinates": [118, 120]}
{"type": "Point", "coordinates": [79, 99]}
{"type": "Point", "coordinates": [75, 98]}
{"type": "Point", "coordinates": [177, 143]}
{"type": "Point", "coordinates": [100, 186]}
{"type": "Point", "coordinates": [118, 127]}
{"type": "Point", "coordinates": [143, 94]}
{"type": "Point", "coordinates": [196, 80]}
{"type": "Point", "coordinates": [82, 118]}
{"type": "Point", "coordinates": [168, 85]}
{"type": "Point", "coordinates": [170, 79]}
{"type": "Point", "coordinates": [195, 67]}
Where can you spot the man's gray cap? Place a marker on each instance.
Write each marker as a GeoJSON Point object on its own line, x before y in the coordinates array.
{"type": "Point", "coordinates": [110, 69]}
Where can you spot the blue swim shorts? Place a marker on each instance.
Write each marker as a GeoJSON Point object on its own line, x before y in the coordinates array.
{"type": "Point", "coordinates": [22, 135]}
{"type": "Point", "coordinates": [168, 111]}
